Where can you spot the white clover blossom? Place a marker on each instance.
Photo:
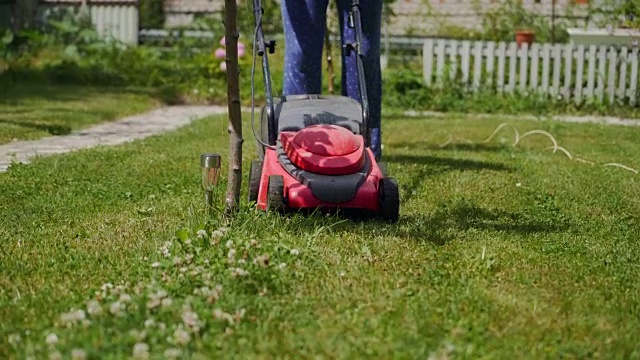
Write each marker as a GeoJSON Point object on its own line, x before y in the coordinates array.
{"type": "Point", "coordinates": [94, 308]}
{"type": "Point", "coordinates": [201, 234]}
{"type": "Point", "coordinates": [254, 243]}
{"type": "Point", "coordinates": [149, 323]}
{"type": "Point", "coordinates": [262, 260]}
{"type": "Point", "coordinates": [14, 339]}
{"type": "Point", "coordinates": [125, 298]}
{"type": "Point", "coordinates": [72, 317]}
{"type": "Point", "coordinates": [181, 336]}
{"type": "Point", "coordinates": [78, 354]}
{"type": "Point", "coordinates": [156, 265]}
{"type": "Point", "coordinates": [55, 355]}
{"type": "Point", "coordinates": [295, 252]}
{"type": "Point", "coordinates": [172, 353]}
{"type": "Point", "coordinates": [229, 244]}
{"type": "Point", "coordinates": [282, 266]}
{"type": "Point", "coordinates": [51, 339]}
{"type": "Point", "coordinates": [235, 272]}
{"type": "Point", "coordinates": [117, 308]}
{"type": "Point", "coordinates": [141, 351]}
{"type": "Point", "coordinates": [231, 256]}
{"type": "Point", "coordinates": [138, 335]}
{"type": "Point", "coordinates": [221, 315]}
{"type": "Point", "coordinates": [190, 319]}
{"type": "Point", "coordinates": [156, 298]}
{"type": "Point", "coordinates": [166, 302]}
{"type": "Point", "coordinates": [165, 249]}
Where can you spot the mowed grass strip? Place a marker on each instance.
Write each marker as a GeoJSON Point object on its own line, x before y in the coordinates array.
{"type": "Point", "coordinates": [32, 111]}
{"type": "Point", "coordinates": [501, 252]}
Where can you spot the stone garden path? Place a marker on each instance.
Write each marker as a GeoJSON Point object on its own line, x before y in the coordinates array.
{"type": "Point", "coordinates": [173, 117]}
{"type": "Point", "coordinates": [108, 133]}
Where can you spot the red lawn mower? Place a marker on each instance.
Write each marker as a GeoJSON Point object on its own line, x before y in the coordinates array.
{"type": "Point", "coordinates": [314, 150]}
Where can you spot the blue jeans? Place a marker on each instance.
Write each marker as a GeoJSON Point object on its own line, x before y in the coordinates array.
{"type": "Point", "coordinates": [304, 26]}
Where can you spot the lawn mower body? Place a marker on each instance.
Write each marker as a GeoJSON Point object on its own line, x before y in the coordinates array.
{"type": "Point", "coordinates": [313, 149]}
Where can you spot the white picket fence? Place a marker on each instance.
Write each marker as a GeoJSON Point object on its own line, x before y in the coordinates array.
{"type": "Point", "coordinates": [573, 72]}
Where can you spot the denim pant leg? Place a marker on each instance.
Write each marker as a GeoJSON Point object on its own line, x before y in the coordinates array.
{"type": "Point", "coordinates": [304, 24]}
{"type": "Point", "coordinates": [371, 15]}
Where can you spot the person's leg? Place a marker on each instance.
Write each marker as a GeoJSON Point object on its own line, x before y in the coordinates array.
{"type": "Point", "coordinates": [371, 14]}
{"type": "Point", "coordinates": [304, 24]}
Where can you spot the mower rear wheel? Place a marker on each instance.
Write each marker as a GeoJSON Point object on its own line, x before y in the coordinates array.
{"type": "Point", "coordinates": [275, 193]}
{"type": "Point", "coordinates": [255, 173]}
{"type": "Point", "coordinates": [389, 199]}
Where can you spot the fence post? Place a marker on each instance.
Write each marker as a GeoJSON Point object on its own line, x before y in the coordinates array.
{"type": "Point", "coordinates": [557, 61]}
{"type": "Point", "coordinates": [633, 87]}
{"type": "Point", "coordinates": [591, 72]}
{"type": "Point", "coordinates": [535, 54]}
{"type": "Point", "coordinates": [491, 54]}
{"type": "Point", "coordinates": [624, 61]}
{"type": "Point", "coordinates": [513, 60]}
{"type": "Point", "coordinates": [613, 62]}
{"type": "Point", "coordinates": [602, 63]}
{"type": "Point", "coordinates": [502, 54]}
{"type": "Point", "coordinates": [453, 57]}
{"type": "Point", "coordinates": [477, 64]}
{"type": "Point", "coordinates": [440, 61]}
{"type": "Point", "coordinates": [579, 73]}
{"type": "Point", "coordinates": [546, 54]}
{"type": "Point", "coordinates": [568, 65]}
{"type": "Point", "coordinates": [524, 66]}
{"type": "Point", "coordinates": [427, 61]}
{"type": "Point", "coordinates": [465, 55]}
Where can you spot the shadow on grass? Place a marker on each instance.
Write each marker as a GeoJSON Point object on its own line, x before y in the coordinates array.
{"type": "Point", "coordinates": [424, 145]}
{"type": "Point", "coordinates": [449, 220]}
{"type": "Point", "coordinates": [445, 163]}
{"type": "Point", "coordinates": [427, 165]}
{"type": "Point", "coordinates": [49, 128]}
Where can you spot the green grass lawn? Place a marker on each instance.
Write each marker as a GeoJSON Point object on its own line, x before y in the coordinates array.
{"type": "Point", "coordinates": [501, 252]}
{"type": "Point", "coordinates": [30, 111]}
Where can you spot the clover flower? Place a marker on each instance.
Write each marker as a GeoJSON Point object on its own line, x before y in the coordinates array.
{"type": "Point", "coordinates": [51, 339]}
{"type": "Point", "coordinates": [141, 351]}
{"type": "Point", "coordinates": [295, 252]}
{"type": "Point", "coordinates": [235, 272]}
{"type": "Point", "coordinates": [72, 317]}
{"type": "Point", "coordinates": [181, 336]}
{"type": "Point", "coordinates": [262, 260]}
{"type": "Point", "coordinates": [78, 354]}
{"type": "Point", "coordinates": [94, 308]}
{"type": "Point", "coordinates": [172, 353]}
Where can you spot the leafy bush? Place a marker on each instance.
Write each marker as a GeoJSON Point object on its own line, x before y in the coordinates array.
{"type": "Point", "coordinates": [151, 14]}
{"type": "Point", "coordinates": [403, 89]}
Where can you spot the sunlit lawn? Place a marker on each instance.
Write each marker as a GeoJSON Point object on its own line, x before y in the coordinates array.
{"type": "Point", "coordinates": [501, 252]}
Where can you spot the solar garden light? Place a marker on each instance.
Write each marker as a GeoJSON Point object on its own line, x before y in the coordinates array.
{"type": "Point", "coordinates": [210, 165]}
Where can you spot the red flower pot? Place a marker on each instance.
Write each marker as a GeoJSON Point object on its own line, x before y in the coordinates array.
{"type": "Point", "coordinates": [524, 36]}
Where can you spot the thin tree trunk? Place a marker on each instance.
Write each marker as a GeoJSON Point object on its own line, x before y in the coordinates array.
{"type": "Point", "coordinates": [327, 41]}
{"type": "Point", "coordinates": [235, 115]}
{"type": "Point", "coordinates": [330, 72]}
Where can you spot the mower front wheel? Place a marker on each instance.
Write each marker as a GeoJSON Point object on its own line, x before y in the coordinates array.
{"type": "Point", "coordinates": [275, 193]}
{"type": "Point", "coordinates": [389, 199]}
{"type": "Point", "coordinates": [255, 173]}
